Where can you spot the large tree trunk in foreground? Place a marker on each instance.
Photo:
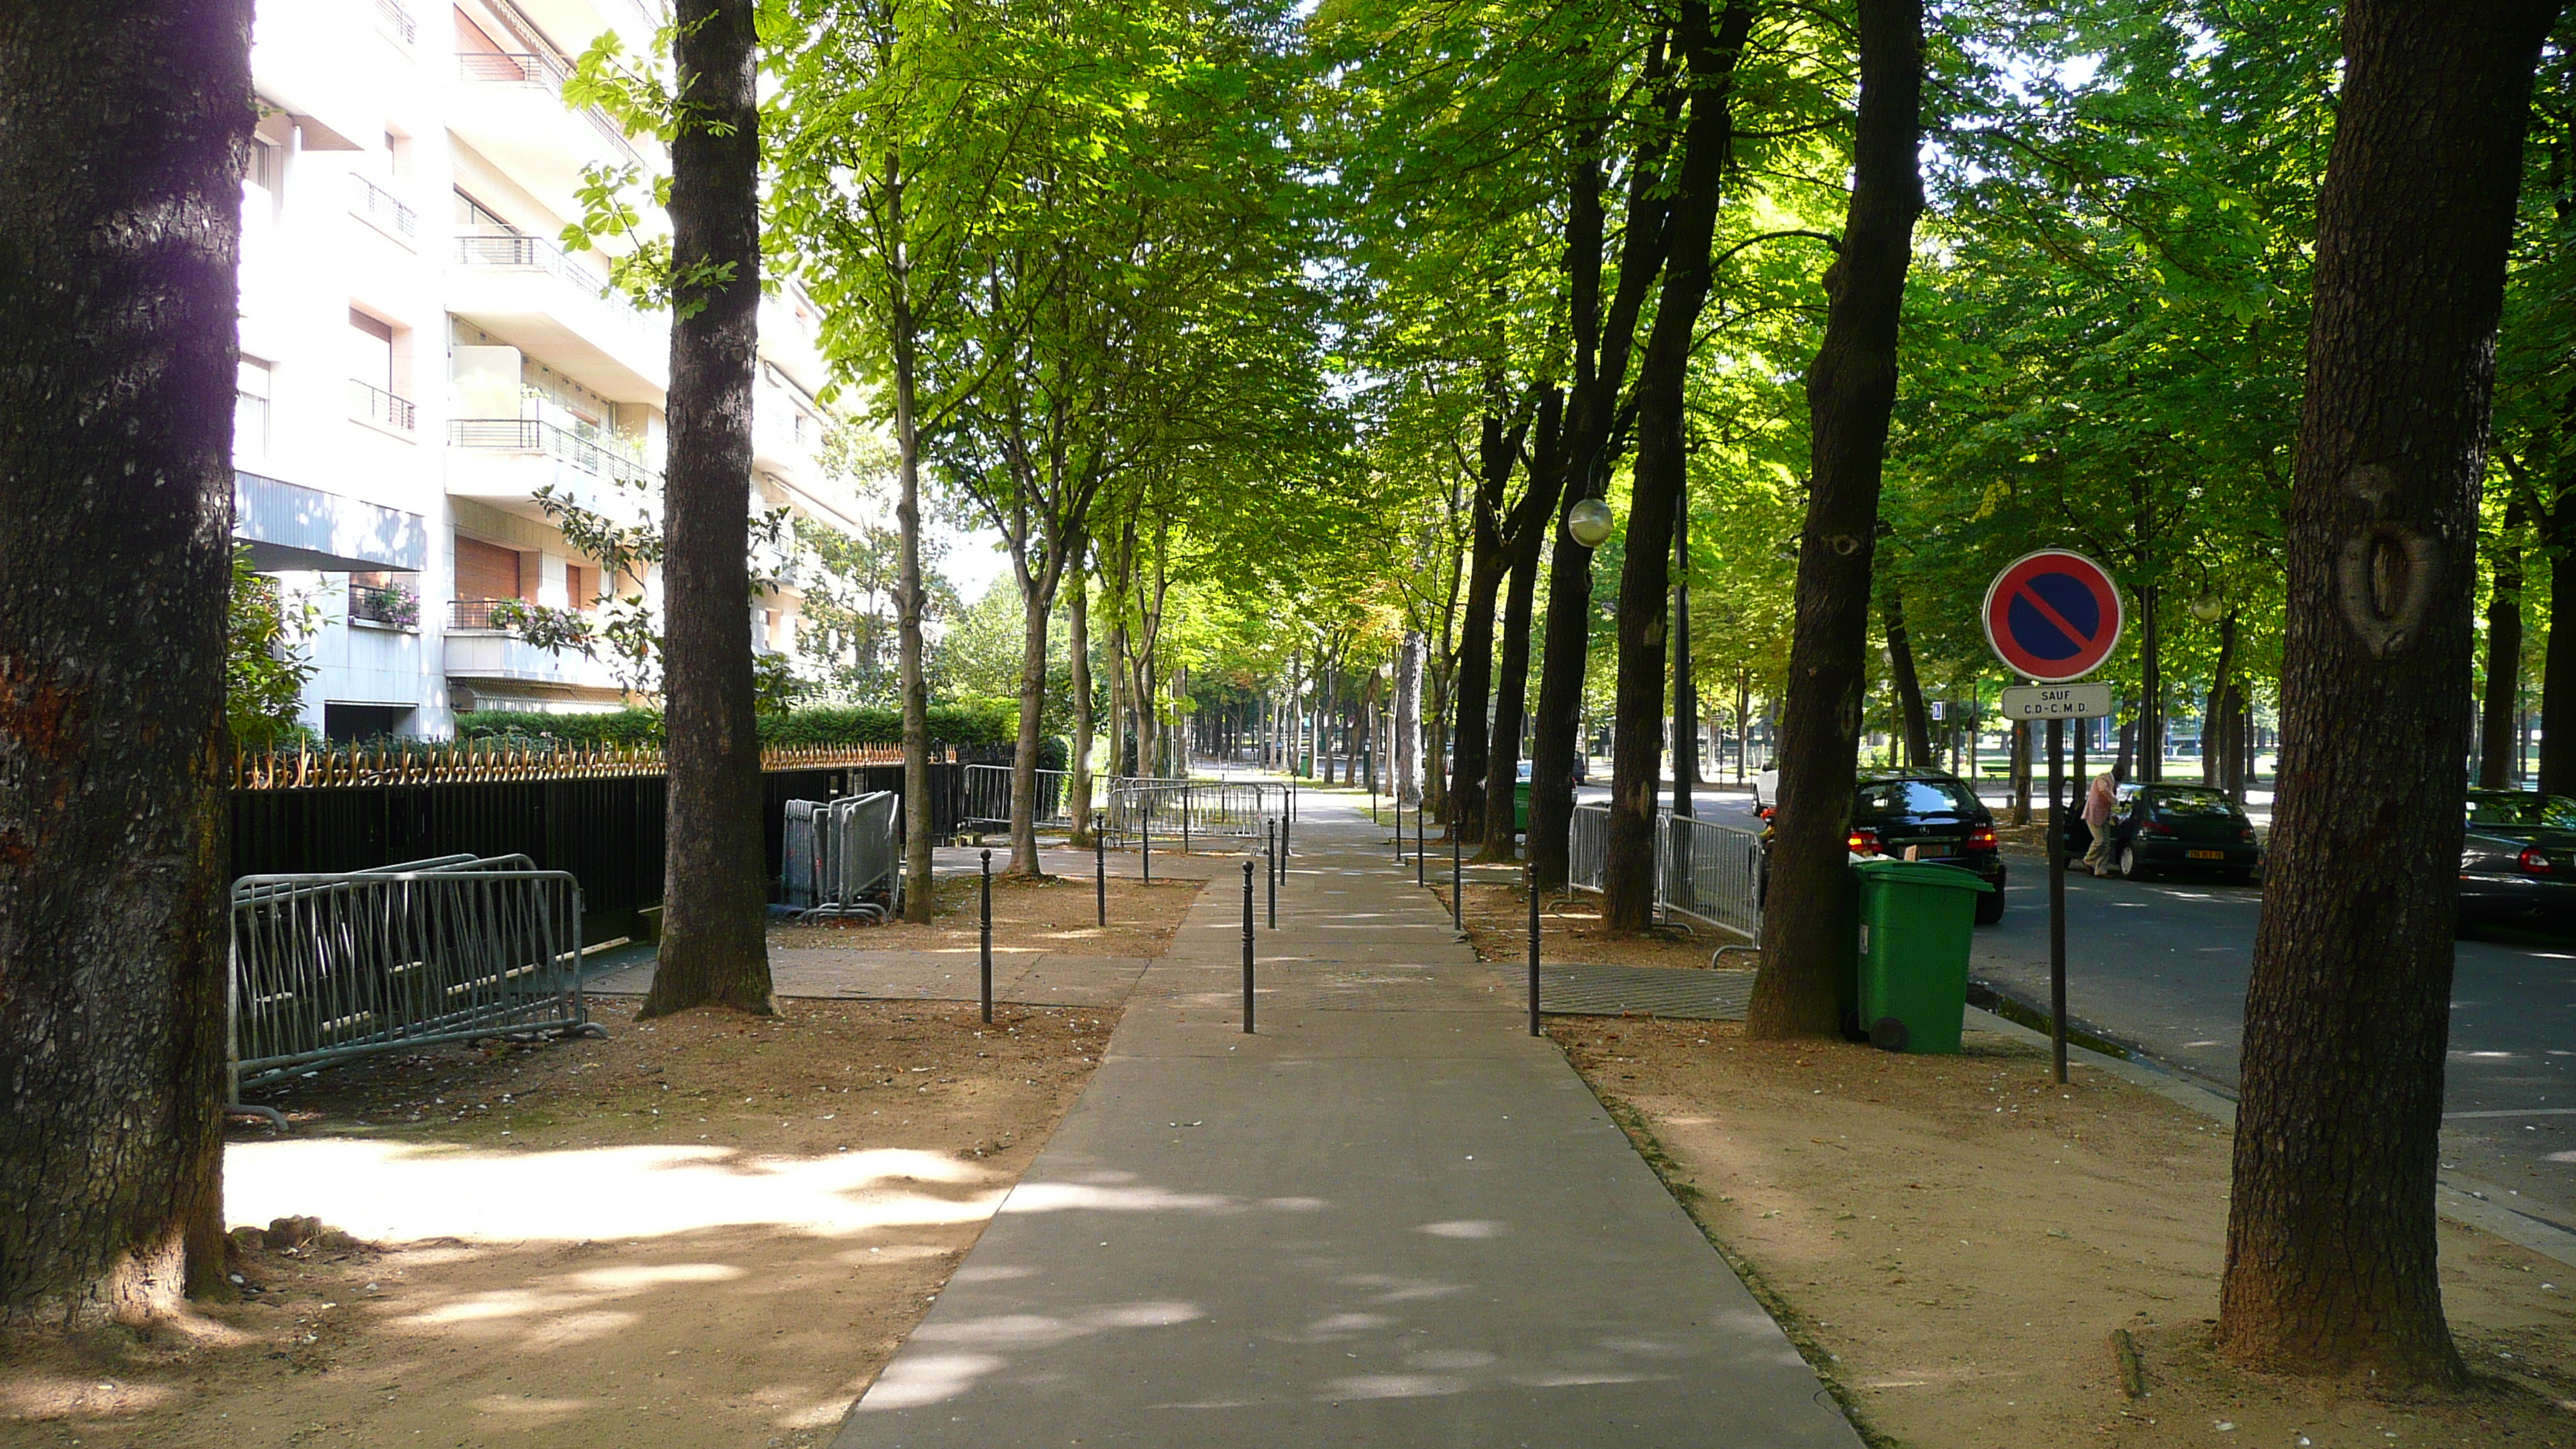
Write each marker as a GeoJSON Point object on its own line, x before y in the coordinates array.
{"type": "Point", "coordinates": [123, 128]}
{"type": "Point", "coordinates": [1530, 527]}
{"type": "Point", "coordinates": [1851, 388]}
{"type": "Point", "coordinates": [2330, 1251]}
{"type": "Point", "coordinates": [2497, 756]}
{"type": "Point", "coordinates": [715, 903]}
{"type": "Point", "coordinates": [1663, 458]}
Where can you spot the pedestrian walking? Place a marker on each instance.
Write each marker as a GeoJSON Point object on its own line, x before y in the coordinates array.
{"type": "Point", "coordinates": [2098, 802]}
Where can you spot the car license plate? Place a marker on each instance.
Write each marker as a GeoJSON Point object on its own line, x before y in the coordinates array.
{"type": "Point", "coordinates": [2205, 855]}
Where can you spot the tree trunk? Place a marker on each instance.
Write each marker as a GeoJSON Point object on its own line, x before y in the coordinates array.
{"type": "Point", "coordinates": [1663, 456]}
{"type": "Point", "coordinates": [2151, 689]}
{"type": "Point", "coordinates": [1685, 688]}
{"type": "Point", "coordinates": [123, 129]}
{"type": "Point", "coordinates": [1497, 457]}
{"type": "Point", "coordinates": [1036, 604]}
{"type": "Point", "coordinates": [1078, 776]}
{"type": "Point", "coordinates": [2021, 771]}
{"type": "Point", "coordinates": [2330, 1234]}
{"type": "Point", "coordinates": [1408, 721]}
{"type": "Point", "coordinates": [1909, 689]}
{"type": "Point", "coordinates": [2496, 759]}
{"type": "Point", "coordinates": [1511, 677]}
{"type": "Point", "coordinates": [715, 916]}
{"type": "Point", "coordinates": [2557, 763]}
{"type": "Point", "coordinates": [2213, 714]}
{"type": "Point", "coordinates": [1850, 390]}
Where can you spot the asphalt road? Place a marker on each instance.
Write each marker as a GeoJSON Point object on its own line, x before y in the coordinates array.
{"type": "Point", "coordinates": [2162, 966]}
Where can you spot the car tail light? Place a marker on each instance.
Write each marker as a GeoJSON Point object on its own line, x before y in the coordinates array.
{"type": "Point", "coordinates": [1863, 842]}
{"type": "Point", "coordinates": [2535, 860]}
{"type": "Point", "coordinates": [2150, 827]}
{"type": "Point", "coordinates": [1765, 812]}
{"type": "Point", "coordinates": [2246, 833]}
{"type": "Point", "coordinates": [1981, 837]}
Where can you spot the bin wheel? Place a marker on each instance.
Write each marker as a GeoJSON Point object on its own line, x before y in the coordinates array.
{"type": "Point", "coordinates": [1888, 1034]}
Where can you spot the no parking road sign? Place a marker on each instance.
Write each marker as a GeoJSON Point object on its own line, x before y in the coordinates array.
{"type": "Point", "coordinates": [2053, 616]}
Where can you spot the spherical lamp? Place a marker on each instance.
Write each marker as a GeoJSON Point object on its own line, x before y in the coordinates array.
{"type": "Point", "coordinates": [1588, 521]}
{"type": "Point", "coordinates": [2207, 608]}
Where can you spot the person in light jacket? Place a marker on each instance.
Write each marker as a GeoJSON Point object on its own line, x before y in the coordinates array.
{"type": "Point", "coordinates": [2099, 802]}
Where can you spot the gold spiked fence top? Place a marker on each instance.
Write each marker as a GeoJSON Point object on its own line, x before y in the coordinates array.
{"type": "Point", "coordinates": [420, 762]}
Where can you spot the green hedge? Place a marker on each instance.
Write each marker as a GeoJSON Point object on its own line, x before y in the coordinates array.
{"type": "Point", "coordinates": [976, 724]}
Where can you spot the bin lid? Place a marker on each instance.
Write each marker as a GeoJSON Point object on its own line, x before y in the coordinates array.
{"type": "Point", "coordinates": [1890, 871]}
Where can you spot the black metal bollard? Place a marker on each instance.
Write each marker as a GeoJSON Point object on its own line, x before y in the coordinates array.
{"type": "Point", "coordinates": [988, 938]}
{"type": "Point", "coordinates": [1247, 948]}
{"type": "Point", "coordinates": [1100, 863]}
{"type": "Point", "coordinates": [1418, 841]}
{"type": "Point", "coordinates": [1145, 823]}
{"type": "Point", "coordinates": [1185, 820]}
{"type": "Point", "coordinates": [1532, 873]}
{"type": "Point", "coordinates": [1270, 864]}
{"type": "Point", "coordinates": [1285, 850]}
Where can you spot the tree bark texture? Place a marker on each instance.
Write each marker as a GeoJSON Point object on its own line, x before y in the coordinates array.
{"type": "Point", "coordinates": [1497, 457]}
{"type": "Point", "coordinates": [1708, 53]}
{"type": "Point", "coordinates": [1530, 524]}
{"type": "Point", "coordinates": [1911, 716]}
{"type": "Point", "coordinates": [123, 131]}
{"type": "Point", "coordinates": [2330, 1237]}
{"type": "Point", "coordinates": [715, 904]}
{"type": "Point", "coordinates": [2214, 713]}
{"type": "Point", "coordinates": [1851, 388]}
{"type": "Point", "coordinates": [2497, 757]}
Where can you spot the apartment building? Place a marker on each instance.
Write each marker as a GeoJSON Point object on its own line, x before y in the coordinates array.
{"type": "Point", "coordinates": [420, 356]}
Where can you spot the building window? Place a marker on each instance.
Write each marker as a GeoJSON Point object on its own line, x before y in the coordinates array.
{"type": "Point", "coordinates": [375, 375]}
{"type": "Point", "coordinates": [472, 213]}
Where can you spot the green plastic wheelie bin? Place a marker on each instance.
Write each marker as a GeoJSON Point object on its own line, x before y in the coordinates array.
{"type": "Point", "coordinates": [1910, 942]}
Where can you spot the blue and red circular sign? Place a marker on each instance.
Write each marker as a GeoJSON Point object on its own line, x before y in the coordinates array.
{"type": "Point", "coordinates": [2053, 616]}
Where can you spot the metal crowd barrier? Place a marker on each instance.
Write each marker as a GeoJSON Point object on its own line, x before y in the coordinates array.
{"type": "Point", "coordinates": [988, 798]}
{"type": "Point", "coordinates": [1181, 809]}
{"type": "Point", "coordinates": [1704, 871]}
{"type": "Point", "coordinates": [844, 857]}
{"type": "Point", "coordinates": [329, 967]}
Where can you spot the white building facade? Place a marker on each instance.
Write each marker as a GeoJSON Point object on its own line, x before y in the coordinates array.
{"type": "Point", "coordinates": [420, 356]}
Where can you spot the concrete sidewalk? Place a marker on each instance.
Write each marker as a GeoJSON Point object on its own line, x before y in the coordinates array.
{"type": "Point", "coordinates": [1390, 1218]}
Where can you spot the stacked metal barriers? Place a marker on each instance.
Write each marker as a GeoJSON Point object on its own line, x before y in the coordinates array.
{"type": "Point", "coordinates": [1704, 871]}
{"type": "Point", "coordinates": [844, 857]}
{"type": "Point", "coordinates": [988, 798]}
{"type": "Point", "coordinates": [1182, 809]}
{"type": "Point", "coordinates": [329, 967]}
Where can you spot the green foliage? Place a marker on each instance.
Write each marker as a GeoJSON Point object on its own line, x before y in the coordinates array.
{"type": "Point", "coordinates": [265, 664]}
{"type": "Point", "coordinates": [977, 723]}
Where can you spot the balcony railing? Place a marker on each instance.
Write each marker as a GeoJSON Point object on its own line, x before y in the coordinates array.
{"type": "Point", "coordinates": [397, 21]}
{"type": "Point", "coordinates": [528, 435]}
{"type": "Point", "coordinates": [373, 404]}
{"type": "Point", "coordinates": [545, 72]}
{"type": "Point", "coordinates": [529, 253]}
{"type": "Point", "coordinates": [476, 613]}
{"type": "Point", "coordinates": [388, 604]}
{"type": "Point", "coordinates": [382, 207]}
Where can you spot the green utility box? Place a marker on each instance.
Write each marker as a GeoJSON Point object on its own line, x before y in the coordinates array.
{"type": "Point", "coordinates": [1914, 921]}
{"type": "Point", "coordinates": [1520, 807]}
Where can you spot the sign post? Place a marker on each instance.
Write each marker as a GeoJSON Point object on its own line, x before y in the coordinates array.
{"type": "Point", "coordinates": [2053, 617]}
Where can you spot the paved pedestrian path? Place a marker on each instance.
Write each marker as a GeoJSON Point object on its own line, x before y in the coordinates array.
{"type": "Point", "coordinates": [1390, 1217]}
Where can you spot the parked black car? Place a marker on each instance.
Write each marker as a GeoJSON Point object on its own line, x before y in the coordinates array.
{"type": "Point", "coordinates": [2518, 862]}
{"type": "Point", "coordinates": [2160, 828]}
{"type": "Point", "coordinates": [1936, 815]}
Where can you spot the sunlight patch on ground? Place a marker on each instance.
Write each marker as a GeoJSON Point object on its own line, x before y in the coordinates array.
{"type": "Point", "coordinates": [391, 1192]}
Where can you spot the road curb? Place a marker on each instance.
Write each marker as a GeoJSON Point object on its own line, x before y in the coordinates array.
{"type": "Point", "coordinates": [2462, 1200]}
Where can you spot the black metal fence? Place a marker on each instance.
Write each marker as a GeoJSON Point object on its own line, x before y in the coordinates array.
{"type": "Point", "coordinates": [606, 832]}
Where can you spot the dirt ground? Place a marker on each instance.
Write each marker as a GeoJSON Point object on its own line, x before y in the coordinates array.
{"type": "Point", "coordinates": [703, 1231]}
{"type": "Point", "coordinates": [1953, 1240]}
{"type": "Point", "coordinates": [1054, 913]}
{"type": "Point", "coordinates": [1570, 929]}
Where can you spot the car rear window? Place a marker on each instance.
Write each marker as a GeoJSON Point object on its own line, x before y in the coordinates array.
{"type": "Point", "coordinates": [1913, 797]}
{"type": "Point", "coordinates": [2517, 808]}
{"type": "Point", "coordinates": [2191, 803]}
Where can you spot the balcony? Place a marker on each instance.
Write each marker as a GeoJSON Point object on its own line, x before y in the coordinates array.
{"type": "Point", "coordinates": [396, 23]}
{"type": "Point", "coordinates": [486, 661]}
{"type": "Point", "coordinates": [387, 212]}
{"type": "Point", "coordinates": [371, 404]}
{"type": "Point", "coordinates": [528, 292]}
{"type": "Point", "coordinates": [289, 526]}
{"type": "Point", "coordinates": [505, 461]}
{"type": "Point", "coordinates": [511, 109]}
{"type": "Point", "coordinates": [389, 606]}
